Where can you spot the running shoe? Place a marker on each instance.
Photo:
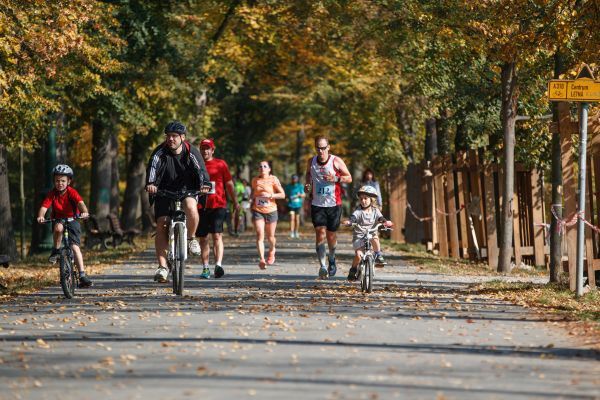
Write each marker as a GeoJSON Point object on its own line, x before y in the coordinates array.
{"type": "Point", "coordinates": [379, 260]}
{"type": "Point", "coordinates": [352, 274]}
{"type": "Point", "coordinates": [84, 281]}
{"type": "Point", "coordinates": [219, 271]}
{"type": "Point", "coordinates": [262, 264]}
{"type": "Point", "coordinates": [205, 273]}
{"type": "Point", "coordinates": [323, 272]}
{"type": "Point", "coordinates": [194, 247]}
{"type": "Point", "coordinates": [54, 256]}
{"type": "Point", "coordinates": [161, 274]}
{"type": "Point", "coordinates": [271, 258]}
{"type": "Point", "coordinates": [332, 267]}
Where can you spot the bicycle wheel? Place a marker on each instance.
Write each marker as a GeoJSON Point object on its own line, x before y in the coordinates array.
{"type": "Point", "coordinates": [368, 274]}
{"type": "Point", "coordinates": [179, 261]}
{"type": "Point", "coordinates": [361, 275]}
{"type": "Point", "coordinates": [67, 275]}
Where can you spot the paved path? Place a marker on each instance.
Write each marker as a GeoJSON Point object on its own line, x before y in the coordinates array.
{"type": "Point", "coordinates": [283, 334]}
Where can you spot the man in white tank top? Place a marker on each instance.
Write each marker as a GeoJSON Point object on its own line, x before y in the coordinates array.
{"type": "Point", "coordinates": [324, 173]}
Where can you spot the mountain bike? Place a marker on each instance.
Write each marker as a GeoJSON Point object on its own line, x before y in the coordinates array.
{"type": "Point", "coordinates": [69, 278]}
{"type": "Point", "coordinates": [365, 271]}
{"type": "Point", "coordinates": [177, 248]}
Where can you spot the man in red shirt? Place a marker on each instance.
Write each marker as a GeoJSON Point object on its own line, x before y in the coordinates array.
{"type": "Point", "coordinates": [214, 211]}
{"type": "Point", "coordinates": [65, 202]}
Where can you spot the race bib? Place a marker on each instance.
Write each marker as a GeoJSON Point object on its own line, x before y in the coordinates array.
{"type": "Point", "coordinates": [213, 190]}
{"type": "Point", "coordinates": [325, 189]}
{"type": "Point", "coordinates": [262, 201]}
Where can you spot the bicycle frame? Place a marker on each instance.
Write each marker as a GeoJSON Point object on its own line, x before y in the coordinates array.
{"type": "Point", "coordinates": [68, 276]}
{"type": "Point", "coordinates": [177, 218]}
{"type": "Point", "coordinates": [365, 272]}
{"type": "Point", "coordinates": [177, 236]}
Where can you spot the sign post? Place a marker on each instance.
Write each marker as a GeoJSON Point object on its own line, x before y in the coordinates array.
{"type": "Point", "coordinates": [583, 89]}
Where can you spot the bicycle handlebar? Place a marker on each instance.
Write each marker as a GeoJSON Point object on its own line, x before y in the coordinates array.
{"type": "Point", "coordinates": [47, 221]}
{"type": "Point", "coordinates": [377, 227]}
{"type": "Point", "coordinates": [179, 195]}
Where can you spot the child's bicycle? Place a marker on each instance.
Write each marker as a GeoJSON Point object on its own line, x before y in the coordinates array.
{"type": "Point", "coordinates": [69, 279]}
{"type": "Point", "coordinates": [177, 249]}
{"type": "Point", "coordinates": [365, 271]}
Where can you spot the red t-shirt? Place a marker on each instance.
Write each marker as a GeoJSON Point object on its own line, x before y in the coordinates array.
{"type": "Point", "coordinates": [63, 205]}
{"type": "Point", "coordinates": [218, 170]}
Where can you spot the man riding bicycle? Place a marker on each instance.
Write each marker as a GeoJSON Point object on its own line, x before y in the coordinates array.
{"type": "Point", "coordinates": [175, 165]}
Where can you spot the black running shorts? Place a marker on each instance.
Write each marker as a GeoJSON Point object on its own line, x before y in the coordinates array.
{"type": "Point", "coordinates": [329, 217]}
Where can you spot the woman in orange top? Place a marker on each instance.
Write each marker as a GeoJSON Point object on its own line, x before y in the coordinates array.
{"type": "Point", "coordinates": [266, 188]}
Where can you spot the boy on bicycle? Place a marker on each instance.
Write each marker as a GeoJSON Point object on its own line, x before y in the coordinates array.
{"type": "Point", "coordinates": [65, 203]}
{"type": "Point", "coordinates": [366, 216]}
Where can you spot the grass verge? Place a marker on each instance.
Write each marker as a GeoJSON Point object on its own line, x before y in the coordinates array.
{"type": "Point", "coordinates": [416, 255]}
{"type": "Point", "coordinates": [551, 299]}
{"type": "Point", "coordinates": [34, 273]}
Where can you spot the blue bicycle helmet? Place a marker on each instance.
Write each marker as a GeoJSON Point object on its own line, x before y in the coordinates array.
{"type": "Point", "coordinates": [175, 127]}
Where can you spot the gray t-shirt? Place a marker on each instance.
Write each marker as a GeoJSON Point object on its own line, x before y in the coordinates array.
{"type": "Point", "coordinates": [364, 220]}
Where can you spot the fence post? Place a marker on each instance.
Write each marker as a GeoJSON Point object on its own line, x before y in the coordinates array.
{"type": "Point", "coordinates": [451, 207]}
{"type": "Point", "coordinates": [537, 203]}
{"type": "Point", "coordinates": [516, 224]}
{"type": "Point", "coordinates": [465, 242]}
{"type": "Point", "coordinates": [440, 204]}
{"type": "Point", "coordinates": [490, 217]}
{"type": "Point", "coordinates": [398, 204]}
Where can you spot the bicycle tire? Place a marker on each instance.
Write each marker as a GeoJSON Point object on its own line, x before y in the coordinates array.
{"type": "Point", "coordinates": [179, 262]}
{"type": "Point", "coordinates": [362, 274]}
{"type": "Point", "coordinates": [67, 275]}
{"type": "Point", "coordinates": [369, 274]}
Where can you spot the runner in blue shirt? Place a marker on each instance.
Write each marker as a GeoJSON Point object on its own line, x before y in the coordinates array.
{"type": "Point", "coordinates": [294, 193]}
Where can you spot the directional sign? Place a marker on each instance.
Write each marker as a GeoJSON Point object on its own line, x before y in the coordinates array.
{"type": "Point", "coordinates": [578, 90]}
{"type": "Point", "coordinates": [584, 88]}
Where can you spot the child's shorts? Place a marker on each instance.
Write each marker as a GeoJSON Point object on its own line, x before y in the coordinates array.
{"type": "Point", "coordinates": [74, 232]}
{"type": "Point", "coordinates": [359, 243]}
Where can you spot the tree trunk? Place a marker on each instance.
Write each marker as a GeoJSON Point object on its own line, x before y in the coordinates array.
{"type": "Point", "coordinates": [460, 140]}
{"type": "Point", "coordinates": [430, 139]}
{"type": "Point", "coordinates": [443, 134]}
{"type": "Point", "coordinates": [555, 238]}
{"type": "Point", "coordinates": [407, 138]}
{"type": "Point", "coordinates": [300, 161]}
{"type": "Point", "coordinates": [147, 214]}
{"type": "Point", "coordinates": [136, 177]}
{"type": "Point", "coordinates": [101, 171]}
{"type": "Point", "coordinates": [114, 174]}
{"type": "Point", "coordinates": [8, 245]}
{"type": "Point", "coordinates": [508, 117]}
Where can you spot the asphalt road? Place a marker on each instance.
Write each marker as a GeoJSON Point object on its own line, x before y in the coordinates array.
{"type": "Point", "coordinates": [282, 333]}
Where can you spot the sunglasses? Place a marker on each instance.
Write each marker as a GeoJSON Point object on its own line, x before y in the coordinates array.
{"type": "Point", "coordinates": [322, 148]}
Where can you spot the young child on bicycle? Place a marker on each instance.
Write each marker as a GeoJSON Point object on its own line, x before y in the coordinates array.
{"type": "Point", "coordinates": [366, 216]}
{"type": "Point", "coordinates": [65, 202]}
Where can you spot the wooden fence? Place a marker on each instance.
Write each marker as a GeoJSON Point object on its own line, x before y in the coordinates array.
{"type": "Point", "coordinates": [452, 204]}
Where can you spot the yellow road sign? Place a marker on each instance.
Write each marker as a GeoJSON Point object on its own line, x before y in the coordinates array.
{"type": "Point", "coordinates": [577, 90]}
{"type": "Point", "coordinates": [584, 88]}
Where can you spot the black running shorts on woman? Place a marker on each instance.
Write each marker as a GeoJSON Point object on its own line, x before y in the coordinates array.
{"type": "Point", "coordinates": [326, 216]}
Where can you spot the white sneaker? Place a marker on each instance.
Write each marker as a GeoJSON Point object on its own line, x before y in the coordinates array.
{"type": "Point", "coordinates": [194, 247]}
{"type": "Point", "coordinates": [297, 235]}
{"type": "Point", "coordinates": [161, 275]}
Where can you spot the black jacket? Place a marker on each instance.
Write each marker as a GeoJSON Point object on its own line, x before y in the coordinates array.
{"type": "Point", "coordinates": [157, 164]}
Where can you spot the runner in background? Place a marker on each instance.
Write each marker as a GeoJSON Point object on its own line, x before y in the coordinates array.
{"type": "Point", "coordinates": [294, 193]}
{"type": "Point", "coordinates": [214, 211]}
